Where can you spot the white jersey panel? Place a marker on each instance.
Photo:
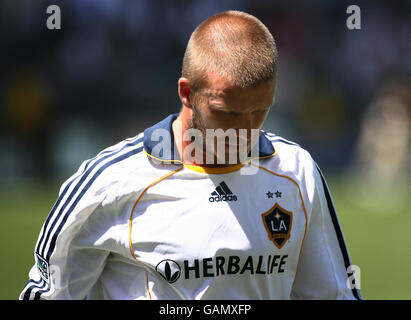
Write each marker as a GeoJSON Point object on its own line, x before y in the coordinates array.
{"type": "Point", "coordinates": [127, 226]}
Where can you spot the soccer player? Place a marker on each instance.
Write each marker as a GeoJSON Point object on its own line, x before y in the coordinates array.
{"type": "Point", "coordinates": [169, 215]}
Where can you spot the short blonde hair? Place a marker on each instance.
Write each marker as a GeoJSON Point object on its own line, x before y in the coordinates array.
{"type": "Point", "coordinates": [235, 45]}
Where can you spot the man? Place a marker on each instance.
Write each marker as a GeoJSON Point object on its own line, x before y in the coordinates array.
{"type": "Point", "coordinates": [169, 215]}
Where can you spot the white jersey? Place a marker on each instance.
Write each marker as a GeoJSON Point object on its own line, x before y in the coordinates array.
{"type": "Point", "coordinates": [136, 224]}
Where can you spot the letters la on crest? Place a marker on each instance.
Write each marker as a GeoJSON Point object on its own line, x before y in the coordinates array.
{"type": "Point", "coordinates": [277, 222]}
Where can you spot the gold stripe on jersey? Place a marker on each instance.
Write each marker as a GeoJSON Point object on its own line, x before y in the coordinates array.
{"type": "Point", "coordinates": [214, 170]}
{"type": "Point", "coordinates": [148, 289]}
{"type": "Point", "coordinates": [162, 160]}
{"type": "Point", "coordinates": [130, 224]}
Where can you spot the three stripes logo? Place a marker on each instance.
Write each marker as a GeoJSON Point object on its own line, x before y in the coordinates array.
{"type": "Point", "coordinates": [222, 193]}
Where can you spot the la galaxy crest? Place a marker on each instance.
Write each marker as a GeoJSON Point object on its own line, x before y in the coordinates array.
{"type": "Point", "coordinates": [277, 222]}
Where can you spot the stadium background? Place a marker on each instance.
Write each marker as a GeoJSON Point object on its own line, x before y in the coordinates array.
{"type": "Point", "coordinates": [111, 71]}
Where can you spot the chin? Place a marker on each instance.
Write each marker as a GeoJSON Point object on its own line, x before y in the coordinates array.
{"type": "Point", "coordinates": [233, 149]}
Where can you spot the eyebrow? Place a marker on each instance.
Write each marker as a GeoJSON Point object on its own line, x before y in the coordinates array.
{"type": "Point", "coordinates": [211, 99]}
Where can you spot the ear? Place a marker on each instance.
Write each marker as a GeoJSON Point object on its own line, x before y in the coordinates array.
{"type": "Point", "coordinates": [184, 92]}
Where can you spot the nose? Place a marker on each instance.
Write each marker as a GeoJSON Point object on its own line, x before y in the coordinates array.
{"type": "Point", "coordinates": [246, 121]}
{"type": "Point", "coordinates": [243, 126]}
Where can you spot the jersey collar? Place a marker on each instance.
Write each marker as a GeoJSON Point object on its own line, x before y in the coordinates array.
{"type": "Point", "coordinates": [159, 142]}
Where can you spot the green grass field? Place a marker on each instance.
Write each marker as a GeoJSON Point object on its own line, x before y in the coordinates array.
{"type": "Point", "coordinates": [377, 233]}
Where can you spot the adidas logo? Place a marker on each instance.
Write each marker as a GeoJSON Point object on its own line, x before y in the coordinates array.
{"type": "Point", "coordinates": [222, 193]}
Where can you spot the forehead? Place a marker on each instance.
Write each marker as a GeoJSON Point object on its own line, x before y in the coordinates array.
{"type": "Point", "coordinates": [220, 90]}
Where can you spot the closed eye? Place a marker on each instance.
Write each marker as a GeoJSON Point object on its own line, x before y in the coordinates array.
{"type": "Point", "coordinates": [261, 110]}
{"type": "Point", "coordinates": [224, 111]}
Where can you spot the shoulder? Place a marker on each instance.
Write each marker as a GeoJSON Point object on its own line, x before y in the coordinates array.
{"type": "Point", "coordinates": [290, 155]}
{"type": "Point", "coordinates": [101, 174]}
{"type": "Point", "coordinates": [293, 161]}
{"type": "Point", "coordinates": [296, 163]}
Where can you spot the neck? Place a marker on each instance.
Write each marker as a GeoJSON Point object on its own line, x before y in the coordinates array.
{"type": "Point", "coordinates": [179, 126]}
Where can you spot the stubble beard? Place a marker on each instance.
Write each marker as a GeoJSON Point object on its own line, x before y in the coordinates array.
{"type": "Point", "coordinates": [197, 123]}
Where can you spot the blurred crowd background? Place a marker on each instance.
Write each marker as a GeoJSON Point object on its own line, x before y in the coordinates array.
{"type": "Point", "coordinates": [112, 70]}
